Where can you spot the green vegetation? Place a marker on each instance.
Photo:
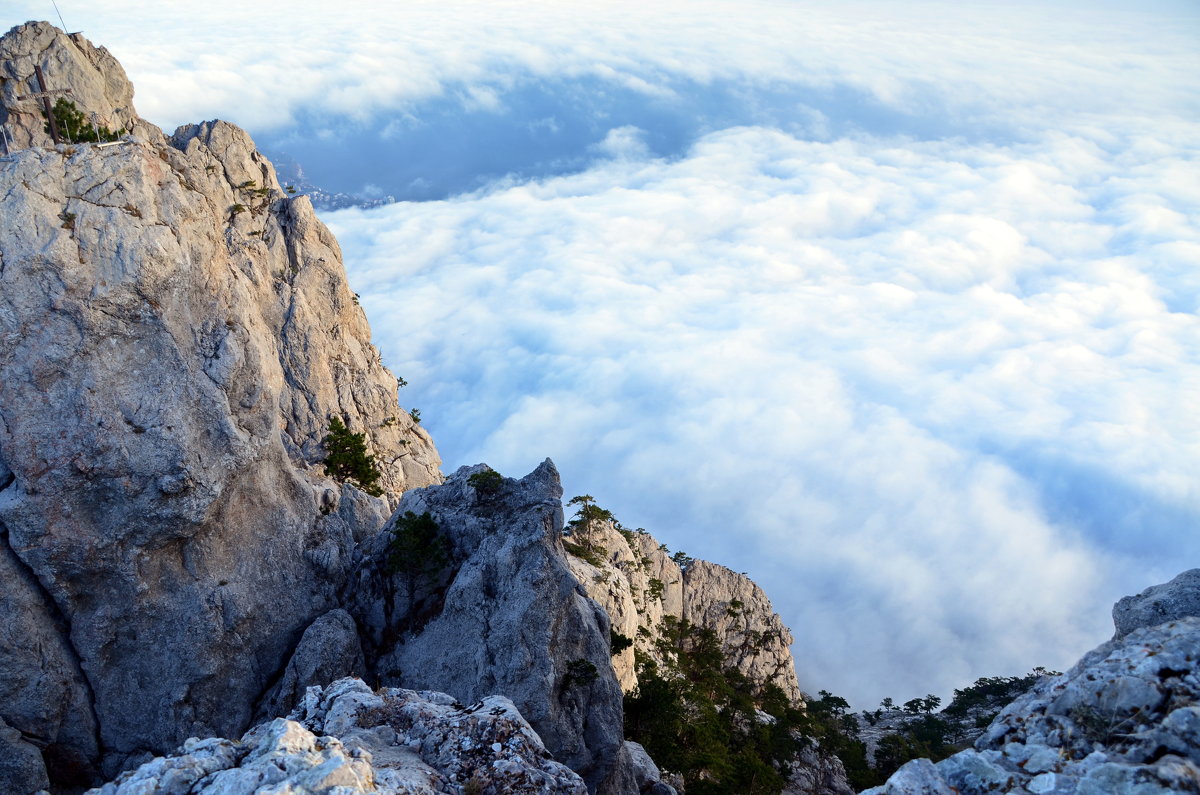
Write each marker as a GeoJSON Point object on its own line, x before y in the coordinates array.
{"type": "Point", "coordinates": [681, 560]}
{"type": "Point", "coordinates": [579, 672]}
{"type": "Point", "coordinates": [583, 526]}
{"type": "Point", "coordinates": [346, 458]}
{"type": "Point", "coordinates": [74, 127]}
{"type": "Point", "coordinates": [487, 483]}
{"type": "Point", "coordinates": [699, 719]}
{"type": "Point", "coordinates": [935, 736]}
{"type": "Point", "coordinates": [418, 551]}
{"type": "Point", "coordinates": [655, 590]}
{"type": "Point", "coordinates": [618, 642]}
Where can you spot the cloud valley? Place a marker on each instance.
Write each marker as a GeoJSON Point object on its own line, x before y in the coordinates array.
{"type": "Point", "coordinates": [891, 306]}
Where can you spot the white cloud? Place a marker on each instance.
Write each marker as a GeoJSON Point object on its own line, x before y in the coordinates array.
{"type": "Point", "coordinates": [931, 376]}
{"type": "Point", "coordinates": [834, 365]}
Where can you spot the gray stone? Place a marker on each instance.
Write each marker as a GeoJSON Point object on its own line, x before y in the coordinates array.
{"type": "Point", "coordinates": [1124, 720]}
{"type": "Point", "coordinates": [168, 366]}
{"type": "Point", "coordinates": [328, 650]}
{"type": "Point", "coordinates": [1159, 603]}
{"type": "Point", "coordinates": [646, 774]}
{"type": "Point", "coordinates": [918, 777]}
{"type": "Point", "coordinates": [505, 616]}
{"type": "Point", "coordinates": [22, 770]}
{"type": "Point", "coordinates": [348, 739]}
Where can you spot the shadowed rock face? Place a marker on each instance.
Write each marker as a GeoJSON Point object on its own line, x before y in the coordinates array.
{"type": "Point", "coordinates": [505, 616]}
{"type": "Point", "coordinates": [175, 333]}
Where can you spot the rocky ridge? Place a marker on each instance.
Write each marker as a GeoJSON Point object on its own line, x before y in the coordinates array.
{"type": "Point", "coordinates": [642, 587]}
{"type": "Point", "coordinates": [346, 738]}
{"type": "Point", "coordinates": [1124, 720]}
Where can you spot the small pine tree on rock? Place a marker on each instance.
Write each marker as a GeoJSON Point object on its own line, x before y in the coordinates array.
{"type": "Point", "coordinates": [346, 458]}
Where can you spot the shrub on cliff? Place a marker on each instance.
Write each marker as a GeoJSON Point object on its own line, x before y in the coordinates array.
{"type": "Point", "coordinates": [75, 127]}
{"type": "Point", "coordinates": [346, 458]}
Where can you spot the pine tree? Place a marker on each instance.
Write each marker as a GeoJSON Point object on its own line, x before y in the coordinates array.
{"type": "Point", "coordinates": [346, 458]}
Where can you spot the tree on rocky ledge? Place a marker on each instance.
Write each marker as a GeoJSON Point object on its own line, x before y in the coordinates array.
{"type": "Point", "coordinates": [346, 458]}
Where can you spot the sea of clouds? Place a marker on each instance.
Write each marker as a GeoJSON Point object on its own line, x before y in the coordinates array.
{"type": "Point", "coordinates": [891, 305]}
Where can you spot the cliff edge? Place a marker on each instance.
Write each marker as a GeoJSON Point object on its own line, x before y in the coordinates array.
{"type": "Point", "coordinates": [175, 335]}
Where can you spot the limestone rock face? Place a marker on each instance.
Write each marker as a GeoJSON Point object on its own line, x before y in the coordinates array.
{"type": "Point", "coordinates": [1175, 599]}
{"type": "Point", "coordinates": [503, 615]}
{"type": "Point", "coordinates": [1125, 719]}
{"type": "Point", "coordinates": [96, 81]}
{"type": "Point", "coordinates": [175, 333]}
{"type": "Point", "coordinates": [640, 586]}
{"type": "Point", "coordinates": [328, 650]}
{"type": "Point", "coordinates": [348, 739]}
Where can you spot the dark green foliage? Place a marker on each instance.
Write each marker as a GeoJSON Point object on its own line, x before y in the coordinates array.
{"type": "Point", "coordinates": [486, 483]}
{"type": "Point", "coordinates": [697, 718]}
{"type": "Point", "coordinates": [583, 543]}
{"type": "Point", "coordinates": [346, 458]}
{"type": "Point", "coordinates": [681, 560]}
{"type": "Point", "coordinates": [419, 551]}
{"type": "Point", "coordinates": [75, 127]}
{"type": "Point", "coordinates": [619, 642]}
{"type": "Point", "coordinates": [579, 672]}
{"type": "Point", "coordinates": [415, 414]}
{"type": "Point", "coordinates": [926, 705]}
{"type": "Point", "coordinates": [993, 693]}
{"type": "Point", "coordinates": [655, 591]}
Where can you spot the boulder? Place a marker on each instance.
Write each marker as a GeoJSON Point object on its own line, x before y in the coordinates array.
{"type": "Point", "coordinates": [1175, 599]}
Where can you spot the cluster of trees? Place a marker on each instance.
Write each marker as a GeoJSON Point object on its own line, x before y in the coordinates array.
{"type": "Point", "coordinates": [699, 719]}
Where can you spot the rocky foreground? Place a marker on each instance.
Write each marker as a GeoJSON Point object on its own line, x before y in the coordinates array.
{"type": "Point", "coordinates": [1125, 720]}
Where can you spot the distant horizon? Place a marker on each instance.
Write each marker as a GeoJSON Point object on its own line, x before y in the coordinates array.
{"type": "Point", "coordinates": [891, 306]}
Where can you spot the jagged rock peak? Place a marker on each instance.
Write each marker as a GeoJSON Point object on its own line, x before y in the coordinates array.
{"type": "Point", "coordinates": [641, 586]}
{"type": "Point", "coordinates": [96, 81]}
{"type": "Point", "coordinates": [1124, 720]}
{"type": "Point", "coordinates": [1178, 598]}
{"type": "Point", "coordinates": [175, 333]}
{"type": "Point", "coordinates": [496, 610]}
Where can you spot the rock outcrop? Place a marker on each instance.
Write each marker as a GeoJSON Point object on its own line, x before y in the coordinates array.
{"type": "Point", "coordinates": [1125, 719]}
{"type": "Point", "coordinates": [641, 586]}
{"type": "Point", "coordinates": [502, 614]}
{"type": "Point", "coordinates": [95, 79]}
{"type": "Point", "coordinates": [1172, 600]}
{"type": "Point", "coordinates": [175, 333]}
{"type": "Point", "coordinates": [347, 739]}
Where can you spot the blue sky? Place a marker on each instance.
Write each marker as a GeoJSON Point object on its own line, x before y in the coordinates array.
{"type": "Point", "coordinates": [891, 305]}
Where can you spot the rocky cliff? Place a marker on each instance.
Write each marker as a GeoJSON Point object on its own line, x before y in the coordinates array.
{"type": "Point", "coordinates": [175, 334]}
{"type": "Point", "coordinates": [643, 588]}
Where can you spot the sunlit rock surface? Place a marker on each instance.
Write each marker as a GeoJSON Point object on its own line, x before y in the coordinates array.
{"type": "Point", "coordinates": [640, 585]}
{"type": "Point", "coordinates": [1124, 720]}
{"type": "Point", "coordinates": [175, 333]}
{"type": "Point", "coordinates": [347, 738]}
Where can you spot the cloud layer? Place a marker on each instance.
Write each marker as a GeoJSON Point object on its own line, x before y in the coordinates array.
{"type": "Point", "coordinates": [917, 390]}
{"type": "Point", "coordinates": [892, 306]}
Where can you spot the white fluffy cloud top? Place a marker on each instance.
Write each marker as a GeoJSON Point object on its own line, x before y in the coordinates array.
{"type": "Point", "coordinates": [921, 354]}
